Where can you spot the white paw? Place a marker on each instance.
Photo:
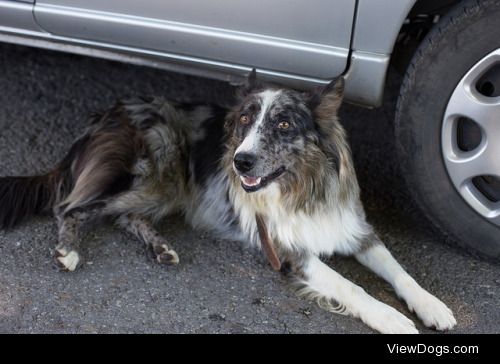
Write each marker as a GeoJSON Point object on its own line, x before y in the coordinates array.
{"type": "Point", "coordinates": [68, 260]}
{"type": "Point", "coordinates": [431, 310]}
{"type": "Point", "coordinates": [388, 320]}
{"type": "Point", "coordinates": [164, 255]}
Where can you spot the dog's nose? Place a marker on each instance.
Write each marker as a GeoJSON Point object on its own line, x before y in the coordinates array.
{"type": "Point", "coordinates": [244, 162]}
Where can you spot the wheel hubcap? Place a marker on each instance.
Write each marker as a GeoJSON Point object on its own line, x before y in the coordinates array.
{"type": "Point", "coordinates": [471, 137]}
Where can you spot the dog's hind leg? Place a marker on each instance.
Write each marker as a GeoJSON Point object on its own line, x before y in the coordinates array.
{"type": "Point", "coordinates": [336, 294]}
{"type": "Point", "coordinates": [428, 308]}
{"type": "Point", "coordinates": [144, 231]}
{"type": "Point", "coordinates": [66, 252]}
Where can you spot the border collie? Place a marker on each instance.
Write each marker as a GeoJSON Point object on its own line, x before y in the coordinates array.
{"type": "Point", "coordinates": [275, 171]}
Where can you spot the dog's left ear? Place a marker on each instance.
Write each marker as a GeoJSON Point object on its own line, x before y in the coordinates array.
{"type": "Point", "coordinates": [326, 101]}
{"type": "Point", "coordinates": [250, 85]}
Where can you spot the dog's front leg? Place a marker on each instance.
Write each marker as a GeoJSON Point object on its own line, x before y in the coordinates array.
{"type": "Point", "coordinates": [428, 308]}
{"type": "Point", "coordinates": [335, 293]}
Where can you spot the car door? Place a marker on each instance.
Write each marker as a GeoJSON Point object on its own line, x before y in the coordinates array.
{"type": "Point", "coordinates": [308, 38]}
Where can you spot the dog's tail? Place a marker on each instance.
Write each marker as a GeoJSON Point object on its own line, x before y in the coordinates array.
{"type": "Point", "coordinates": [21, 197]}
{"type": "Point", "coordinates": [24, 196]}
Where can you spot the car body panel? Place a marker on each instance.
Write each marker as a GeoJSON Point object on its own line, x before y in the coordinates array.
{"type": "Point", "coordinates": [378, 23]}
{"type": "Point", "coordinates": [299, 46]}
{"type": "Point", "coordinates": [251, 35]}
{"type": "Point", "coordinates": [286, 19]}
{"type": "Point", "coordinates": [17, 16]}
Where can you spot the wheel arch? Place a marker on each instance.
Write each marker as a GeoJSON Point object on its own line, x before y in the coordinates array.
{"type": "Point", "coordinates": [372, 52]}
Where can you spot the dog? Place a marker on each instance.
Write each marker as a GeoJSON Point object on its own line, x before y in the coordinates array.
{"type": "Point", "coordinates": [274, 171]}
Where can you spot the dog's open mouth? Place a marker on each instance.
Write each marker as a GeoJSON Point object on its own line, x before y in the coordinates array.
{"type": "Point", "coordinates": [252, 184]}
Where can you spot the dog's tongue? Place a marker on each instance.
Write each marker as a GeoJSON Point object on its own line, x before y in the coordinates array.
{"type": "Point", "coordinates": [250, 181]}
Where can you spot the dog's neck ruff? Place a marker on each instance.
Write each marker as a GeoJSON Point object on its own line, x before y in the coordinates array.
{"type": "Point", "coordinates": [266, 243]}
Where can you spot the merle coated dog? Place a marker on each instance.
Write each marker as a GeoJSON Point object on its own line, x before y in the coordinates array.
{"type": "Point", "coordinates": [274, 171]}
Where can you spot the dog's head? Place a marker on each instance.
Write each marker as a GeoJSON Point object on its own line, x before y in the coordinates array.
{"type": "Point", "coordinates": [276, 134]}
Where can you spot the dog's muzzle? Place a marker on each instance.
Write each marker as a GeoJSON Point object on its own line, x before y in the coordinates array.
{"type": "Point", "coordinates": [243, 164]}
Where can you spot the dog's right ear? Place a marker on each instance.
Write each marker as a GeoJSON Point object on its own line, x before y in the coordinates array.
{"type": "Point", "coordinates": [250, 85]}
{"type": "Point", "coordinates": [326, 101]}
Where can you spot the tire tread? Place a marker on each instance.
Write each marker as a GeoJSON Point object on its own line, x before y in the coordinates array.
{"type": "Point", "coordinates": [446, 25]}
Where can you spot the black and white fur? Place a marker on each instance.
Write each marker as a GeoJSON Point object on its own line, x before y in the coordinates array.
{"type": "Point", "coordinates": [278, 153]}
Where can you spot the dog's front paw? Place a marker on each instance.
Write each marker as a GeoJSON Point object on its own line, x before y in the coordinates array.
{"type": "Point", "coordinates": [388, 320]}
{"type": "Point", "coordinates": [164, 255]}
{"type": "Point", "coordinates": [431, 311]}
{"type": "Point", "coordinates": [67, 261]}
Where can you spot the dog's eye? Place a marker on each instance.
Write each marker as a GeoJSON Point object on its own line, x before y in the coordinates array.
{"type": "Point", "coordinates": [244, 119]}
{"type": "Point", "coordinates": [284, 125]}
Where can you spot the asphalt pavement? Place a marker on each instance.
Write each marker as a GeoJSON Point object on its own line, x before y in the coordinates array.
{"type": "Point", "coordinates": [219, 286]}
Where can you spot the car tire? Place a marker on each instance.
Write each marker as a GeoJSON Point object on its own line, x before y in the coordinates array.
{"type": "Point", "coordinates": [456, 43]}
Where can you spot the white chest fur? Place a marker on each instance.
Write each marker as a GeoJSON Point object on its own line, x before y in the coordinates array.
{"type": "Point", "coordinates": [326, 231]}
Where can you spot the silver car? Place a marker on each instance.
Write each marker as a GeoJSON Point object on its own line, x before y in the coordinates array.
{"type": "Point", "coordinates": [447, 122]}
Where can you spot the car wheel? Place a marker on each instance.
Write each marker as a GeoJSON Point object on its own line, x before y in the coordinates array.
{"type": "Point", "coordinates": [448, 126]}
